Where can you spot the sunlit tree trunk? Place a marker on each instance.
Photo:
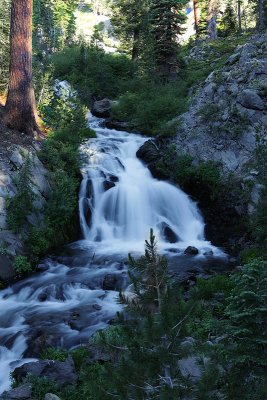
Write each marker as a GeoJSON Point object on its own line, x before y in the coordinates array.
{"type": "Point", "coordinates": [260, 15]}
{"type": "Point", "coordinates": [20, 109]}
{"type": "Point", "coordinates": [239, 15]}
{"type": "Point", "coordinates": [196, 15]}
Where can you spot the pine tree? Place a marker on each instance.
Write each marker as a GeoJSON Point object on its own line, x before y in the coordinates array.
{"type": "Point", "coordinates": [229, 20]}
{"type": "Point", "coordinates": [129, 18]}
{"type": "Point", "coordinates": [166, 18]}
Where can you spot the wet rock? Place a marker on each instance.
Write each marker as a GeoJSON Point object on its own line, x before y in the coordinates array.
{"type": "Point", "coordinates": [117, 125]}
{"type": "Point", "coordinates": [111, 282]}
{"type": "Point", "coordinates": [148, 152]}
{"type": "Point", "coordinates": [250, 99]}
{"type": "Point", "coordinates": [108, 185]}
{"type": "Point", "coordinates": [61, 373]}
{"type": "Point", "coordinates": [113, 178]}
{"type": "Point", "coordinates": [191, 250]}
{"type": "Point", "coordinates": [101, 108]}
{"type": "Point", "coordinates": [89, 189]}
{"type": "Point", "coordinates": [42, 297]}
{"type": "Point", "coordinates": [6, 269]}
{"type": "Point", "coordinates": [87, 211]}
{"type": "Point", "coordinates": [22, 392]}
{"type": "Point", "coordinates": [169, 235]}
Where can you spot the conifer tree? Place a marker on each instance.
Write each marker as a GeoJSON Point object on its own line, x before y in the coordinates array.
{"type": "Point", "coordinates": [229, 20]}
{"type": "Point", "coordinates": [166, 18]}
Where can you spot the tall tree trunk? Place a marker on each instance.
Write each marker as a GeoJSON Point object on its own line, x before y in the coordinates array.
{"type": "Point", "coordinates": [20, 109]}
{"type": "Point", "coordinates": [260, 15]}
{"type": "Point", "coordinates": [196, 15]}
{"type": "Point", "coordinates": [239, 15]}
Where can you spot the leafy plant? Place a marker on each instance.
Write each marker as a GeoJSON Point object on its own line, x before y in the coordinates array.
{"type": "Point", "coordinates": [22, 265]}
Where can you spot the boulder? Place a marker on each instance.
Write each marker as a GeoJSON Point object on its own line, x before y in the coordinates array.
{"type": "Point", "coordinates": [191, 250]}
{"type": "Point", "coordinates": [101, 108]}
{"type": "Point", "coordinates": [117, 125]}
{"type": "Point", "coordinates": [169, 235]}
{"type": "Point", "coordinates": [189, 368]}
{"type": "Point", "coordinates": [111, 282]}
{"type": "Point", "coordinates": [149, 152]}
{"type": "Point", "coordinates": [22, 392]}
{"type": "Point", "coordinates": [6, 269]}
{"type": "Point", "coordinates": [61, 373]}
{"type": "Point", "coordinates": [250, 99]}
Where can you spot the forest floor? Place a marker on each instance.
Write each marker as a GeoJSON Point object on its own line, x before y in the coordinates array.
{"type": "Point", "coordinates": [9, 139]}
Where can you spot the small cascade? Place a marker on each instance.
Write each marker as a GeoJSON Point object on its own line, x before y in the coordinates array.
{"type": "Point", "coordinates": [120, 200]}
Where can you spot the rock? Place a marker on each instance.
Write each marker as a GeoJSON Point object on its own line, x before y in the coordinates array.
{"type": "Point", "coordinates": [250, 99]}
{"type": "Point", "coordinates": [22, 392]}
{"type": "Point", "coordinates": [117, 125]}
{"type": "Point", "coordinates": [189, 368]}
{"type": "Point", "coordinates": [7, 271]}
{"type": "Point", "coordinates": [233, 59]}
{"type": "Point", "coordinates": [111, 282]}
{"type": "Point", "coordinates": [113, 178]}
{"type": "Point", "coordinates": [98, 355]}
{"type": "Point", "coordinates": [148, 152]}
{"type": "Point", "coordinates": [51, 396]}
{"type": "Point", "coordinates": [108, 185]}
{"type": "Point", "coordinates": [169, 235]}
{"type": "Point", "coordinates": [191, 250]}
{"type": "Point", "coordinates": [61, 373]}
{"type": "Point", "coordinates": [101, 108]}
{"type": "Point", "coordinates": [188, 342]}
{"type": "Point", "coordinates": [17, 160]}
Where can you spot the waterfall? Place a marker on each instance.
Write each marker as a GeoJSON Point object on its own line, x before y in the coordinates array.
{"type": "Point", "coordinates": [76, 293]}
{"type": "Point", "coordinates": [120, 201]}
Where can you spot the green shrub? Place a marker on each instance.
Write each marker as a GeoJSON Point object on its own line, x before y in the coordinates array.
{"type": "Point", "coordinates": [20, 206]}
{"type": "Point", "coordinates": [80, 355]}
{"type": "Point", "coordinates": [22, 265]}
{"type": "Point", "coordinates": [209, 112]}
{"type": "Point", "coordinates": [55, 354]}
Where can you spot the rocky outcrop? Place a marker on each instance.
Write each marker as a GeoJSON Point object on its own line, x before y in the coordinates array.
{"type": "Point", "coordinates": [23, 392]}
{"type": "Point", "coordinates": [61, 373]}
{"type": "Point", "coordinates": [229, 114]}
{"type": "Point", "coordinates": [11, 163]}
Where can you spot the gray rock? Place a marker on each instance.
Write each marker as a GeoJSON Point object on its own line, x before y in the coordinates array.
{"type": "Point", "coordinates": [51, 396]}
{"type": "Point", "coordinates": [22, 392]}
{"type": "Point", "coordinates": [17, 160]}
{"type": "Point", "coordinates": [6, 269]}
{"type": "Point", "coordinates": [102, 108]}
{"type": "Point", "coordinates": [250, 99]}
{"type": "Point", "coordinates": [189, 368]}
{"type": "Point", "coordinates": [148, 152]}
{"type": "Point", "coordinates": [61, 373]}
{"type": "Point", "coordinates": [233, 59]}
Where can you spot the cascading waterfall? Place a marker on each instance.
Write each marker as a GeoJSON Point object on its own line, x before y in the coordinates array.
{"type": "Point", "coordinates": [76, 293]}
{"type": "Point", "coordinates": [120, 200]}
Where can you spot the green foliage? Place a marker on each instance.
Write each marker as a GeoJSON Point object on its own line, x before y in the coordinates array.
{"type": "Point", "coordinates": [79, 355]}
{"type": "Point", "coordinates": [245, 343]}
{"type": "Point", "coordinates": [22, 265]}
{"type": "Point", "coordinates": [166, 20]}
{"type": "Point", "coordinates": [20, 206]}
{"type": "Point", "coordinates": [93, 72]}
{"type": "Point", "coordinates": [55, 354]}
{"type": "Point", "coordinates": [209, 112]}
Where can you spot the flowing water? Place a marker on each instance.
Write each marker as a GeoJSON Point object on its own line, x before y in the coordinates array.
{"type": "Point", "coordinates": [75, 294]}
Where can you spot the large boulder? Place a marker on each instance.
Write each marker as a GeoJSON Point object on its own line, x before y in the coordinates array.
{"type": "Point", "coordinates": [250, 99]}
{"type": "Point", "coordinates": [149, 152]}
{"type": "Point", "coordinates": [61, 373]}
{"type": "Point", "coordinates": [22, 392]}
{"type": "Point", "coordinates": [102, 108]}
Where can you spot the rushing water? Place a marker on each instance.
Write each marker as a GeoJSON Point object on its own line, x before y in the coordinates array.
{"type": "Point", "coordinates": [75, 294]}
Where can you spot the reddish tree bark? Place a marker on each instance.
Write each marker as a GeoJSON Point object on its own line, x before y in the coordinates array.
{"type": "Point", "coordinates": [196, 15]}
{"type": "Point", "coordinates": [20, 109]}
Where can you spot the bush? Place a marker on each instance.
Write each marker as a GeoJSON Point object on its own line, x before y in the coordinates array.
{"type": "Point", "coordinates": [22, 265]}
{"type": "Point", "coordinates": [55, 354]}
{"type": "Point", "coordinates": [20, 206]}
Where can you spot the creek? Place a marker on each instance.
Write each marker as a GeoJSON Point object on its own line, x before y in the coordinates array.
{"type": "Point", "coordinates": [75, 294]}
